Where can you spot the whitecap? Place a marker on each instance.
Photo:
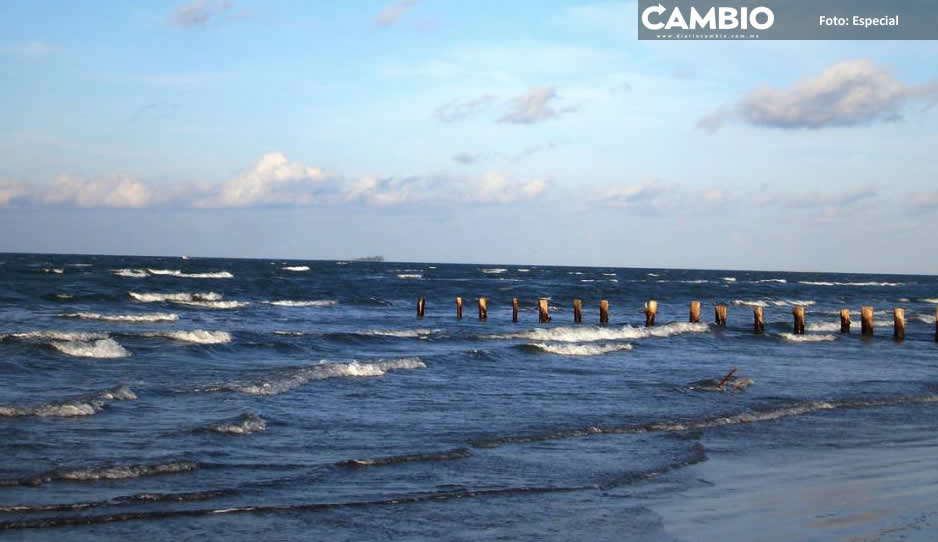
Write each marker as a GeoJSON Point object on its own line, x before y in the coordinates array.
{"type": "Point", "coordinates": [182, 296]}
{"type": "Point", "coordinates": [833, 283]}
{"type": "Point", "coordinates": [569, 349]}
{"type": "Point", "coordinates": [57, 335]}
{"type": "Point", "coordinates": [410, 275]}
{"type": "Point", "coordinates": [131, 273]}
{"type": "Point", "coordinates": [754, 303]}
{"type": "Point", "coordinates": [494, 270]}
{"type": "Point", "coordinates": [310, 303]}
{"type": "Point", "coordinates": [55, 270]}
{"type": "Point", "coordinates": [296, 268]}
{"type": "Point", "coordinates": [591, 334]}
{"type": "Point", "coordinates": [196, 336]}
{"type": "Point", "coordinates": [150, 317]}
{"type": "Point", "coordinates": [729, 279]}
{"type": "Point", "coordinates": [807, 338]}
{"type": "Point", "coordinates": [926, 318]}
{"type": "Point", "coordinates": [929, 300]}
{"type": "Point", "coordinates": [178, 273]}
{"type": "Point", "coordinates": [85, 405]}
{"type": "Point", "coordinates": [780, 281]}
{"type": "Point", "coordinates": [242, 425]}
{"type": "Point", "coordinates": [219, 305]}
{"type": "Point", "coordinates": [101, 348]}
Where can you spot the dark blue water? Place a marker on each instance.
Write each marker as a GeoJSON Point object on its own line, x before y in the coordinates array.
{"type": "Point", "coordinates": [217, 398]}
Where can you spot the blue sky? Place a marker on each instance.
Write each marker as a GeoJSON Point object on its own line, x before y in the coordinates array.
{"type": "Point", "coordinates": [520, 132]}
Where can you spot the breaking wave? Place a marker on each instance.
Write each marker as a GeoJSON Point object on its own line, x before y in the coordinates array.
{"type": "Point", "coordinates": [310, 303]}
{"type": "Point", "coordinates": [296, 268]}
{"type": "Point", "coordinates": [494, 270]}
{"type": "Point", "coordinates": [410, 275]}
{"type": "Point", "coordinates": [807, 338]}
{"type": "Point", "coordinates": [101, 348]}
{"type": "Point", "coordinates": [152, 317]}
{"type": "Point", "coordinates": [123, 472]}
{"type": "Point", "coordinates": [591, 334]}
{"type": "Point", "coordinates": [286, 380]}
{"type": "Point", "coordinates": [828, 283]}
{"type": "Point", "coordinates": [219, 305]}
{"type": "Point", "coordinates": [754, 303]}
{"type": "Point", "coordinates": [196, 336]}
{"type": "Point", "coordinates": [178, 273]}
{"type": "Point", "coordinates": [86, 405]}
{"type": "Point", "coordinates": [244, 424]}
{"type": "Point", "coordinates": [131, 273]}
{"type": "Point", "coordinates": [761, 415]}
{"type": "Point", "coordinates": [929, 300]}
{"type": "Point", "coordinates": [184, 296]}
{"type": "Point", "coordinates": [56, 270]}
{"type": "Point", "coordinates": [568, 349]}
{"type": "Point", "coordinates": [56, 336]}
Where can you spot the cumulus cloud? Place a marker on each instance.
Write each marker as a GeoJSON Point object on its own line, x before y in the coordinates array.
{"type": "Point", "coordinates": [816, 199]}
{"type": "Point", "coordinates": [497, 188]}
{"type": "Point", "coordinates": [198, 13]}
{"type": "Point", "coordinates": [534, 106]}
{"type": "Point", "coordinates": [105, 192]}
{"type": "Point", "coordinates": [462, 109]}
{"type": "Point", "coordinates": [392, 12]}
{"type": "Point", "coordinates": [854, 92]}
{"type": "Point", "coordinates": [10, 191]}
{"type": "Point", "coordinates": [273, 180]}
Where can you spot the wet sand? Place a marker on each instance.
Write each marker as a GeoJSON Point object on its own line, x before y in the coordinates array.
{"type": "Point", "coordinates": [881, 493]}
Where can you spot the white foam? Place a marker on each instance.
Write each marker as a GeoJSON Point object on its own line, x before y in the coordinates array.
{"type": "Point", "coordinates": [930, 300]}
{"type": "Point", "coordinates": [592, 334]}
{"type": "Point", "coordinates": [220, 305]}
{"type": "Point", "coordinates": [288, 380]}
{"type": "Point", "coordinates": [244, 425]}
{"type": "Point", "coordinates": [157, 297]}
{"type": "Point", "coordinates": [609, 274]}
{"type": "Point", "coordinates": [56, 270]}
{"type": "Point", "coordinates": [402, 333]}
{"type": "Point", "coordinates": [830, 283]}
{"type": "Point", "coordinates": [150, 317]}
{"type": "Point", "coordinates": [78, 264]}
{"type": "Point", "coordinates": [755, 303]}
{"type": "Point", "coordinates": [653, 274]}
{"type": "Point", "coordinates": [780, 281]}
{"type": "Point", "coordinates": [494, 270]}
{"type": "Point", "coordinates": [698, 281]}
{"type": "Point", "coordinates": [569, 349]}
{"type": "Point", "coordinates": [290, 333]}
{"type": "Point", "coordinates": [58, 335]}
{"type": "Point", "coordinates": [793, 302]}
{"type": "Point", "coordinates": [81, 406]}
{"type": "Point", "coordinates": [125, 472]}
{"type": "Point", "coordinates": [410, 275]}
{"type": "Point", "coordinates": [131, 273]}
{"type": "Point", "coordinates": [178, 273]}
{"type": "Point", "coordinates": [835, 325]}
{"type": "Point", "coordinates": [926, 318]}
{"type": "Point", "coordinates": [807, 338]}
{"type": "Point", "coordinates": [296, 268]}
{"type": "Point", "coordinates": [64, 296]}
{"type": "Point", "coordinates": [102, 348]}
{"type": "Point", "coordinates": [310, 303]}
{"type": "Point", "coordinates": [729, 279]}
{"type": "Point", "coordinates": [197, 336]}
{"type": "Point", "coordinates": [523, 270]}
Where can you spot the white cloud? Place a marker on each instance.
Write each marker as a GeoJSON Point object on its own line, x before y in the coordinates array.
{"type": "Point", "coordinates": [105, 192]}
{"type": "Point", "coordinates": [10, 190]}
{"type": "Point", "coordinates": [534, 106]}
{"type": "Point", "coordinates": [272, 181]}
{"type": "Point", "coordinates": [462, 109]}
{"type": "Point", "coordinates": [392, 12]}
{"type": "Point", "coordinates": [497, 188]}
{"type": "Point", "coordinates": [849, 93]}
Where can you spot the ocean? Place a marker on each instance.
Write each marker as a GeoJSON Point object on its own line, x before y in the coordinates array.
{"type": "Point", "coordinates": [211, 399]}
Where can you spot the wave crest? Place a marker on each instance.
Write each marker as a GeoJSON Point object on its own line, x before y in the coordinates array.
{"type": "Point", "coordinates": [568, 349]}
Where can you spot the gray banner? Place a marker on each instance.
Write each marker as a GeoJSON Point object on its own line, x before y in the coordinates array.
{"type": "Point", "coordinates": [788, 19]}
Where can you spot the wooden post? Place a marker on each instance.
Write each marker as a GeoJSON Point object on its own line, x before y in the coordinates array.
{"type": "Point", "coordinates": [543, 310]}
{"type": "Point", "coordinates": [845, 320]}
{"type": "Point", "coordinates": [694, 312]}
{"type": "Point", "coordinates": [459, 308]}
{"type": "Point", "coordinates": [866, 321]}
{"type": "Point", "coordinates": [798, 313]}
{"type": "Point", "coordinates": [758, 325]}
{"type": "Point", "coordinates": [514, 309]}
{"type": "Point", "coordinates": [651, 308]}
{"type": "Point", "coordinates": [720, 312]}
{"type": "Point", "coordinates": [604, 313]}
{"type": "Point", "coordinates": [421, 305]}
{"type": "Point", "coordinates": [483, 309]}
{"type": "Point", "coordinates": [577, 311]}
{"type": "Point", "coordinates": [898, 331]}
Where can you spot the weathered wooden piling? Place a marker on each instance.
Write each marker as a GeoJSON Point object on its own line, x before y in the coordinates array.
{"type": "Point", "coordinates": [720, 313]}
{"type": "Point", "coordinates": [543, 310]}
{"type": "Point", "coordinates": [515, 307]}
{"type": "Point", "coordinates": [898, 330]}
{"type": "Point", "coordinates": [758, 325]}
{"type": "Point", "coordinates": [421, 306]}
{"type": "Point", "coordinates": [798, 313]}
{"type": "Point", "coordinates": [866, 321]}
{"type": "Point", "coordinates": [845, 320]}
{"type": "Point", "coordinates": [604, 313]}
{"type": "Point", "coordinates": [651, 308]}
{"type": "Point", "coordinates": [483, 309]}
{"type": "Point", "coordinates": [459, 308]}
{"type": "Point", "coordinates": [694, 312]}
{"type": "Point", "coordinates": [577, 311]}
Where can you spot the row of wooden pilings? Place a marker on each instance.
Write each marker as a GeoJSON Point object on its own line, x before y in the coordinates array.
{"type": "Point", "coordinates": [720, 310]}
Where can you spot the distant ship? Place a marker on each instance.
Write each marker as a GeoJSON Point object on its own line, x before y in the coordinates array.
{"type": "Point", "coordinates": [369, 259]}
